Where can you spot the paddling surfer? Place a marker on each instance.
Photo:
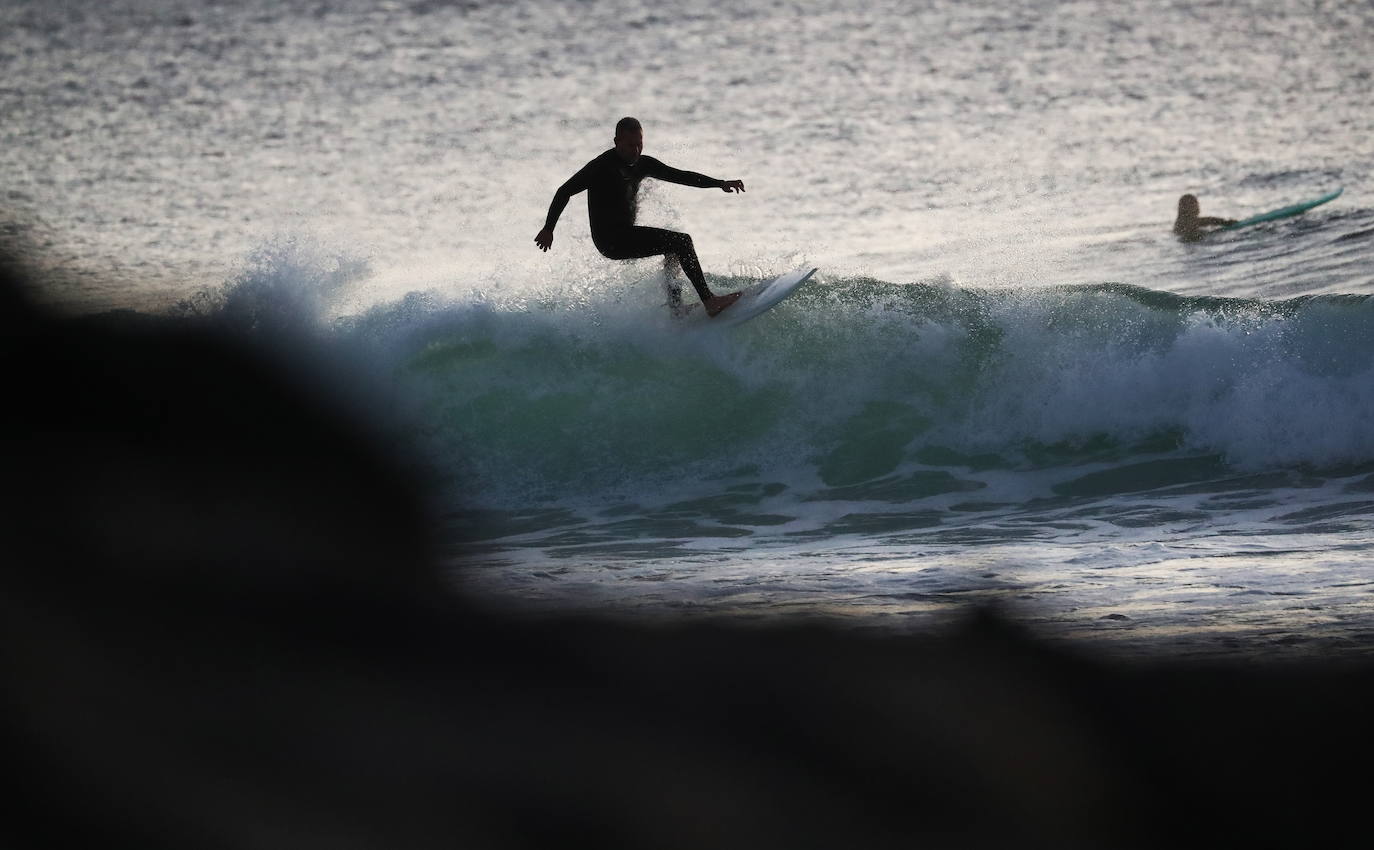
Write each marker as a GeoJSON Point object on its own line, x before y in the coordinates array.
{"type": "Point", "coordinates": [612, 183]}
{"type": "Point", "coordinates": [1189, 225]}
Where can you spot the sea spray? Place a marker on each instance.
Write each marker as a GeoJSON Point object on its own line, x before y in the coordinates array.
{"type": "Point", "coordinates": [857, 381]}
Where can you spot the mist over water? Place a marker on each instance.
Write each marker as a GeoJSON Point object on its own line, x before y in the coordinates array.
{"type": "Point", "coordinates": [1008, 381]}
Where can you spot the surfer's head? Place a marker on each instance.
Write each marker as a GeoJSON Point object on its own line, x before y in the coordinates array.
{"type": "Point", "coordinates": [629, 139]}
{"type": "Point", "coordinates": [1188, 207]}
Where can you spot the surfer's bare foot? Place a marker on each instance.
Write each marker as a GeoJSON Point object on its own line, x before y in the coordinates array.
{"type": "Point", "coordinates": [716, 303]}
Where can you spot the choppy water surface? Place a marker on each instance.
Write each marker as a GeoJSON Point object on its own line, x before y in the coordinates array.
{"type": "Point", "coordinates": [1009, 382]}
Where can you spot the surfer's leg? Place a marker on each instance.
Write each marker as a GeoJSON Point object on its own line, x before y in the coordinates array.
{"type": "Point", "coordinates": [637, 242]}
{"type": "Point", "coordinates": [680, 245]}
{"type": "Point", "coordinates": [686, 254]}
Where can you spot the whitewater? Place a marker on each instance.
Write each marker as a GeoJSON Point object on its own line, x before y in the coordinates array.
{"type": "Point", "coordinates": [1008, 385]}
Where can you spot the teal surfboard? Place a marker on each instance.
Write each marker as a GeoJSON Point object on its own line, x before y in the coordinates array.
{"type": "Point", "coordinates": [1285, 212]}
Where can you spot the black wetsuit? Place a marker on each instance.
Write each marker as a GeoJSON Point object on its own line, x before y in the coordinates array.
{"type": "Point", "coordinates": [612, 187]}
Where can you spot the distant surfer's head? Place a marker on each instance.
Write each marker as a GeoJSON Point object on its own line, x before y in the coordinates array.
{"type": "Point", "coordinates": [629, 139]}
{"type": "Point", "coordinates": [1188, 207]}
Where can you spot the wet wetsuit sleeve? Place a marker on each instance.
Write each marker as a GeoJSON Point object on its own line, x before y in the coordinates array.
{"type": "Point", "coordinates": [577, 183]}
{"type": "Point", "coordinates": [658, 170]}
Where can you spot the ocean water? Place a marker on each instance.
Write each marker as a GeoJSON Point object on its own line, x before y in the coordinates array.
{"type": "Point", "coordinates": [1009, 384]}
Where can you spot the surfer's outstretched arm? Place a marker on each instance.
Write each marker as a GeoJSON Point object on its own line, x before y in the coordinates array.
{"type": "Point", "coordinates": [656, 169]}
{"type": "Point", "coordinates": [1213, 221]}
{"type": "Point", "coordinates": [577, 183]}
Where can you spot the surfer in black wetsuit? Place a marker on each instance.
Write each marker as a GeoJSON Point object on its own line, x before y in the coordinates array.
{"type": "Point", "coordinates": [612, 183]}
{"type": "Point", "coordinates": [1188, 226]}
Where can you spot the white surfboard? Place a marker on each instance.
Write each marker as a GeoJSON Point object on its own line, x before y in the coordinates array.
{"type": "Point", "coordinates": [761, 297]}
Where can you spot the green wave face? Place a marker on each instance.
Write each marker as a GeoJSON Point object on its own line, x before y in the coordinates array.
{"type": "Point", "coordinates": [860, 389]}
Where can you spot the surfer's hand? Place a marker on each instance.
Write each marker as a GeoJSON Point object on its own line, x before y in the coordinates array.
{"type": "Point", "coordinates": [732, 185]}
{"type": "Point", "coordinates": [545, 239]}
